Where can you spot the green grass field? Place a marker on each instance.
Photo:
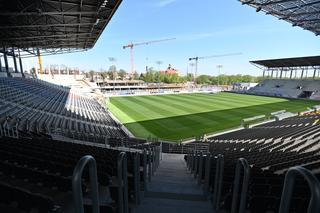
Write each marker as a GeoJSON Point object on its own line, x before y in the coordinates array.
{"type": "Point", "coordinates": [181, 116]}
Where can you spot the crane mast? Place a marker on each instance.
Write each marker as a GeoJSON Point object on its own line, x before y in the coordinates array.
{"type": "Point", "coordinates": [132, 45]}
{"type": "Point", "coordinates": [196, 60]}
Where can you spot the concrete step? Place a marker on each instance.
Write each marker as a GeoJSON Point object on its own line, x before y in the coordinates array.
{"type": "Point", "coordinates": [175, 196]}
{"type": "Point", "coordinates": [156, 205]}
{"type": "Point", "coordinates": [173, 190]}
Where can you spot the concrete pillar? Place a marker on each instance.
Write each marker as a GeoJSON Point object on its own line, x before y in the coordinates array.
{"type": "Point", "coordinates": [0, 64]}
{"type": "Point", "coordinates": [271, 73]}
{"type": "Point", "coordinates": [263, 73]}
{"type": "Point", "coordinates": [21, 68]}
{"type": "Point", "coordinates": [14, 61]}
{"type": "Point", "coordinates": [302, 72]}
{"type": "Point", "coordinates": [314, 73]}
{"type": "Point", "coordinates": [306, 73]}
{"type": "Point", "coordinates": [291, 74]}
{"type": "Point", "coordinates": [6, 61]}
{"type": "Point", "coordinates": [281, 74]}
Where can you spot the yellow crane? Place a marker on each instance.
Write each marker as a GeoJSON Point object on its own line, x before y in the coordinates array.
{"type": "Point", "coordinates": [39, 61]}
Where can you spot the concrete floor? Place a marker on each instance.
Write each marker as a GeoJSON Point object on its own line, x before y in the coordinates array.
{"type": "Point", "coordinates": [173, 189]}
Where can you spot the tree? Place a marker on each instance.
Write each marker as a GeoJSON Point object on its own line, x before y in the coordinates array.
{"type": "Point", "coordinates": [32, 71]}
{"type": "Point", "coordinates": [189, 77]}
{"type": "Point", "coordinates": [104, 75]}
{"type": "Point", "coordinates": [112, 72]}
{"type": "Point", "coordinates": [135, 76]}
{"type": "Point", "coordinates": [122, 74]}
{"type": "Point", "coordinates": [112, 68]}
{"type": "Point", "coordinates": [203, 79]}
{"type": "Point", "coordinates": [91, 74]}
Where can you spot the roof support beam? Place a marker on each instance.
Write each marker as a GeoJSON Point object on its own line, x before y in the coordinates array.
{"type": "Point", "coordinates": [303, 13]}
{"type": "Point", "coordinates": [300, 6]}
{"type": "Point", "coordinates": [46, 36]}
{"type": "Point", "coordinates": [46, 25]}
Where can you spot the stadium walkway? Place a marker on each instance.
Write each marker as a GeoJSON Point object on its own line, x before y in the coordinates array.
{"type": "Point", "coordinates": [173, 189]}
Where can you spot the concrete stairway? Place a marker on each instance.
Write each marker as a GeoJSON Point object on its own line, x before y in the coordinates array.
{"type": "Point", "coordinates": [173, 189]}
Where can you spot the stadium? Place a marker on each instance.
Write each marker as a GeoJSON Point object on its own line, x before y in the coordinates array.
{"type": "Point", "coordinates": [74, 142]}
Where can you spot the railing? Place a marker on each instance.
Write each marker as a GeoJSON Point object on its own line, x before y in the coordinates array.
{"type": "Point", "coordinates": [313, 183]}
{"type": "Point", "coordinates": [218, 182]}
{"type": "Point", "coordinates": [145, 169]}
{"type": "Point", "coordinates": [200, 170]}
{"type": "Point", "coordinates": [236, 186]}
{"type": "Point", "coordinates": [149, 162]}
{"type": "Point", "coordinates": [77, 184]}
{"type": "Point", "coordinates": [196, 164]}
{"type": "Point", "coordinates": [1, 131]}
{"type": "Point", "coordinates": [207, 174]}
{"type": "Point", "coordinates": [153, 157]}
{"type": "Point", "coordinates": [123, 183]}
{"type": "Point", "coordinates": [136, 174]}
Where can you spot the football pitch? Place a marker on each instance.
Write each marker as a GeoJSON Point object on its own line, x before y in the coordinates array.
{"type": "Point", "coordinates": [180, 116]}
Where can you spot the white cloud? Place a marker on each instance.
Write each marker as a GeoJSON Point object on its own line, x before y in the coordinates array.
{"type": "Point", "coordinates": [164, 3]}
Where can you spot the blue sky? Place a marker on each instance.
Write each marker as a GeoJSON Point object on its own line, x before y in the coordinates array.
{"type": "Point", "coordinates": [201, 28]}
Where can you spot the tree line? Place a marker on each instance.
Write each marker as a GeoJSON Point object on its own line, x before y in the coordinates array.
{"type": "Point", "coordinates": [153, 76]}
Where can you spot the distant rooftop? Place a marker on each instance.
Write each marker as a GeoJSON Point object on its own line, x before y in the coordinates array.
{"type": "Point", "coordinates": [289, 62]}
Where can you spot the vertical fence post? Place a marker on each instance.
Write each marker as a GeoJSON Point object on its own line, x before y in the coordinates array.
{"type": "Point", "coordinates": [149, 164]}
{"type": "Point", "coordinates": [200, 168]}
{"type": "Point", "coordinates": [136, 170]}
{"type": "Point", "coordinates": [207, 174]}
{"type": "Point", "coordinates": [218, 180]}
{"type": "Point", "coordinates": [196, 167]}
{"type": "Point", "coordinates": [145, 171]}
{"type": "Point", "coordinates": [77, 184]}
{"type": "Point", "coordinates": [189, 159]}
{"type": "Point", "coordinates": [123, 183]}
{"type": "Point", "coordinates": [236, 186]}
{"type": "Point", "coordinates": [161, 150]}
{"type": "Point", "coordinates": [314, 186]}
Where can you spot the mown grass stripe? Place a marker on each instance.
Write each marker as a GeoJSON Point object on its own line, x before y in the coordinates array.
{"type": "Point", "coordinates": [177, 116]}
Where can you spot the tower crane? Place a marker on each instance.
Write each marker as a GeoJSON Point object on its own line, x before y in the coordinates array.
{"type": "Point", "coordinates": [132, 45]}
{"type": "Point", "coordinates": [196, 59]}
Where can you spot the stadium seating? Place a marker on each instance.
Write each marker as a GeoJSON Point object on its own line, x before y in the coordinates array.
{"type": "Point", "coordinates": [288, 88]}
{"type": "Point", "coordinates": [271, 149]}
{"type": "Point", "coordinates": [36, 175]}
{"type": "Point", "coordinates": [35, 106]}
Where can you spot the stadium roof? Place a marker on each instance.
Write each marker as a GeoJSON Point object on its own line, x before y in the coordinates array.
{"type": "Point", "coordinates": [302, 13]}
{"type": "Point", "coordinates": [54, 26]}
{"type": "Point", "coordinates": [290, 62]}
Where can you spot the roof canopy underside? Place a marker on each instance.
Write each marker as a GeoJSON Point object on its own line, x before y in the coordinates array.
{"type": "Point", "coordinates": [311, 61]}
{"type": "Point", "coordinates": [49, 25]}
{"type": "Point", "coordinates": [303, 13]}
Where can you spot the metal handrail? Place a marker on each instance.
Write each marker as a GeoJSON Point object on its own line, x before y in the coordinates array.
{"type": "Point", "coordinates": [207, 173]}
{"type": "Point", "coordinates": [145, 181]}
{"type": "Point", "coordinates": [192, 161]}
{"type": "Point", "coordinates": [123, 183]}
{"type": "Point", "coordinates": [77, 184]}
{"type": "Point", "coordinates": [136, 171]}
{"type": "Point", "coordinates": [196, 166]}
{"type": "Point", "coordinates": [149, 164]}
{"type": "Point", "coordinates": [200, 168]}
{"type": "Point", "coordinates": [245, 183]}
{"type": "Point", "coordinates": [313, 183]}
{"type": "Point", "coordinates": [189, 159]}
{"type": "Point", "coordinates": [218, 181]}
